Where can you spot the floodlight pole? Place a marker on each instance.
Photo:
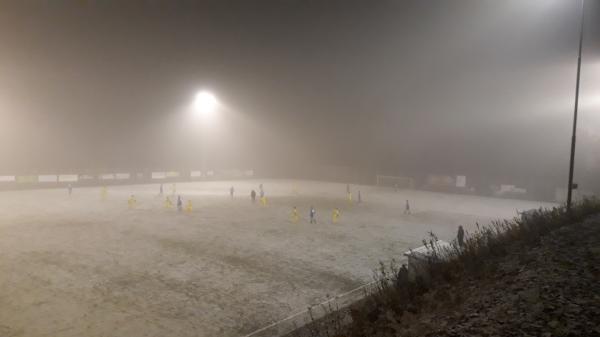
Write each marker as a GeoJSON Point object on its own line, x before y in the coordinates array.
{"type": "Point", "coordinates": [572, 161]}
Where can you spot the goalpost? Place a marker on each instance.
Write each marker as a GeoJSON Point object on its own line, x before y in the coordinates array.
{"type": "Point", "coordinates": [395, 181]}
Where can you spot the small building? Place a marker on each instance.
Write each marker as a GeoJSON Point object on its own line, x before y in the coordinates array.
{"type": "Point", "coordinates": [419, 258]}
{"type": "Point", "coordinates": [528, 214]}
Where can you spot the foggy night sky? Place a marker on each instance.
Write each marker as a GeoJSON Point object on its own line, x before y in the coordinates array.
{"type": "Point", "coordinates": [457, 87]}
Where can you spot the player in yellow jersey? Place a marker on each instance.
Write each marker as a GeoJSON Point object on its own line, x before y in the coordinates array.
{"type": "Point", "coordinates": [132, 202]}
{"type": "Point", "coordinates": [335, 216]}
{"type": "Point", "coordinates": [168, 203]}
{"type": "Point", "coordinates": [295, 216]}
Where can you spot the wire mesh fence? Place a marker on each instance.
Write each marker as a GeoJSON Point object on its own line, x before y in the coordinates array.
{"type": "Point", "coordinates": [338, 304]}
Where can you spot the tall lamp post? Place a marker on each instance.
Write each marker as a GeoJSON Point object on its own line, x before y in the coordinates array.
{"type": "Point", "coordinates": [572, 161]}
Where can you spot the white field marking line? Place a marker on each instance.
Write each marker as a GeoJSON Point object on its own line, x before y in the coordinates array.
{"type": "Point", "coordinates": [312, 306]}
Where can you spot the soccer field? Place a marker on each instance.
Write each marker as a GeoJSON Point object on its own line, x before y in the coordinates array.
{"type": "Point", "coordinates": [82, 266]}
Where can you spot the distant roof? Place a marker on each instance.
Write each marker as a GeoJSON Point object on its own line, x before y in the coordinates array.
{"type": "Point", "coordinates": [426, 251]}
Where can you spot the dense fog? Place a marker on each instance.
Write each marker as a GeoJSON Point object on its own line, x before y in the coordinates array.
{"type": "Point", "coordinates": [478, 88]}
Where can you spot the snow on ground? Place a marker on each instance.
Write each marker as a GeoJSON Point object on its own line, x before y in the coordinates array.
{"type": "Point", "coordinates": [83, 266]}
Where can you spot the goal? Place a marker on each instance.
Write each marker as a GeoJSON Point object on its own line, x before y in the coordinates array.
{"type": "Point", "coordinates": [395, 181]}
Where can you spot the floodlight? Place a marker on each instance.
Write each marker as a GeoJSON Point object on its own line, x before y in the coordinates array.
{"type": "Point", "coordinates": [205, 103]}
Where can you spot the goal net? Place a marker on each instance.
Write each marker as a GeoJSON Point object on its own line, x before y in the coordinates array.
{"type": "Point", "coordinates": [395, 181]}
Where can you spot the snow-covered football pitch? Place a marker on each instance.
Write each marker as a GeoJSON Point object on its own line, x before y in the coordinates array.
{"type": "Point", "coordinates": [82, 266]}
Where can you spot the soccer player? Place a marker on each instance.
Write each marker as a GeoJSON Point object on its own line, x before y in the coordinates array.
{"type": "Point", "coordinates": [70, 188]}
{"type": "Point", "coordinates": [160, 192]}
{"type": "Point", "coordinates": [359, 197]}
{"type": "Point", "coordinates": [295, 216]}
{"type": "Point", "coordinates": [131, 202]}
{"type": "Point", "coordinates": [263, 200]}
{"type": "Point", "coordinates": [231, 190]}
{"type": "Point", "coordinates": [460, 236]}
{"type": "Point", "coordinates": [313, 215]}
{"type": "Point", "coordinates": [188, 207]}
{"type": "Point", "coordinates": [168, 203]}
{"type": "Point", "coordinates": [179, 204]}
{"type": "Point", "coordinates": [253, 195]}
{"type": "Point", "coordinates": [335, 216]}
{"type": "Point", "coordinates": [407, 208]}
{"type": "Point", "coordinates": [349, 197]}
{"type": "Point", "coordinates": [103, 193]}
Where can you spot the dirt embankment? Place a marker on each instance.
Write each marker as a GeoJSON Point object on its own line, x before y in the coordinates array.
{"type": "Point", "coordinates": [549, 290]}
{"type": "Point", "coordinates": [549, 286]}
